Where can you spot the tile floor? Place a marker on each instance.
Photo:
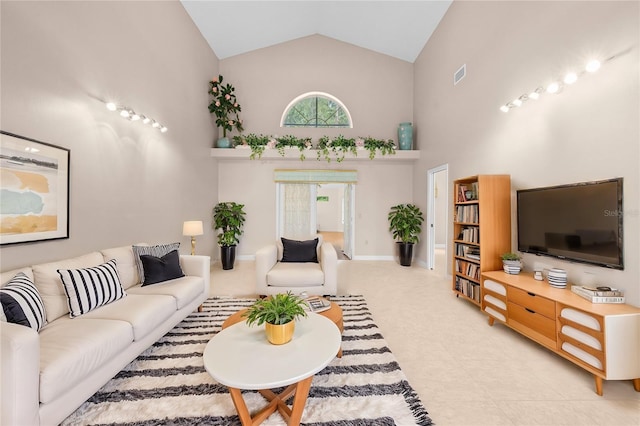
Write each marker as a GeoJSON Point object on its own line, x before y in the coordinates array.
{"type": "Point", "coordinates": [465, 372]}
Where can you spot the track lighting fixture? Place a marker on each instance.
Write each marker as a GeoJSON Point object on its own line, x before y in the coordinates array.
{"type": "Point", "coordinates": [131, 115]}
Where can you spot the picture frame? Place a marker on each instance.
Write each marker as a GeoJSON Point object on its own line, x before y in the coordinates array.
{"type": "Point", "coordinates": [34, 190]}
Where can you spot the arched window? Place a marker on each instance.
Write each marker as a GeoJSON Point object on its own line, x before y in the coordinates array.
{"type": "Point", "coordinates": [316, 109]}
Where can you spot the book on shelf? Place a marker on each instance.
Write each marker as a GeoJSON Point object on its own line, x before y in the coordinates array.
{"type": "Point", "coordinates": [467, 213]}
{"type": "Point", "coordinates": [590, 294]}
{"type": "Point", "coordinates": [469, 252]}
{"type": "Point", "coordinates": [461, 193]}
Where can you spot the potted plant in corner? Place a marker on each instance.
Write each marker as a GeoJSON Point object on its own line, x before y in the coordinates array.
{"type": "Point", "coordinates": [405, 221]}
{"type": "Point", "coordinates": [511, 263]}
{"type": "Point", "coordinates": [278, 313]}
{"type": "Point", "coordinates": [228, 217]}
{"type": "Point", "coordinates": [226, 108]}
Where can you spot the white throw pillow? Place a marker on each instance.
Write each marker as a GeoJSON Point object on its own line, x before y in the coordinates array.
{"type": "Point", "coordinates": [90, 288]}
{"type": "Point", "coordinates": [21, 303]}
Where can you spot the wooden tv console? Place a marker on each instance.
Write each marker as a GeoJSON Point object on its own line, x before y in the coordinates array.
{"type": "Point", "coordinates": [604, 339]}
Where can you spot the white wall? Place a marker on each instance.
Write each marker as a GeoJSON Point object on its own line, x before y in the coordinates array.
{"type": "Point", "coordinates": [377, 90]}
{"type": "Point", "coordinates": [441, 208]}
{"type": "Point", "coordinates": [60, 62]}
{"type": "Point", "coordinates": [380, 186]}
{"type": "Point", "coordinates": [588, 132]}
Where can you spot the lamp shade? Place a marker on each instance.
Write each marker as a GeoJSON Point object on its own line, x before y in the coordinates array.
{"type": "Point", "coordinates": [192, 227]}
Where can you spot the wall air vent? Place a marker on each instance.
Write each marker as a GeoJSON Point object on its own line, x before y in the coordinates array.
{"type": "Point", "coordinates": [460, 74]}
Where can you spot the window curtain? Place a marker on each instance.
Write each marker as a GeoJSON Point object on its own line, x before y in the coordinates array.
{"type": "Point", "coordinates": [297, 210]}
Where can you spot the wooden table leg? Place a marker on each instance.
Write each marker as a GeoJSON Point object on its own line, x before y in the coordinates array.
{"type": "Point", "coordinates": [241, 407]}
{"type": "Point", "coordinates": [636, 384]}
{"type": "Point", "coordinates": [291, 415]}
{"type": "Point", "coordinates": [598, 385]}
{"type": "Point", "coordinates": [299, 400]}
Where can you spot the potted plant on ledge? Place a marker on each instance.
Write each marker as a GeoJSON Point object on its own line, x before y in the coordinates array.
{"type": "Point", "coordinates": [229, 218]}
{"type": "Point", "coordinates": [278, 313]}
{"type": "Point", "coordinates": [405, 221]}
{"type": "Point", "coordinates": [226, 108]}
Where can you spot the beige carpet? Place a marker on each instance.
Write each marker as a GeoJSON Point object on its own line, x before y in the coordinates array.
{"type": "Point", "coordinates": [464, 371]}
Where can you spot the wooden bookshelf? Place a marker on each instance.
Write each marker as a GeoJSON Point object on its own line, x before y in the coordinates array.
{"type": "Point", "coordinates": [481, 230]}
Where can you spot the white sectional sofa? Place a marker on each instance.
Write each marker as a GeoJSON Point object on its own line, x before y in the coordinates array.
{"type": "Point", "coordinates": [46, 375]}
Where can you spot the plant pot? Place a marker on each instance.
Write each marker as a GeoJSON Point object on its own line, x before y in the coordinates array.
{"type": "Point", "coordinates": [223, 143]}
{"type": "Point", "coordinates": [405, 252]}
{"type": "Point", "coordinates": [279, 334]}
{"type": "Point", "coordinates": [227, 256]}
{"type": "Point", "coordinates": [512, 267]}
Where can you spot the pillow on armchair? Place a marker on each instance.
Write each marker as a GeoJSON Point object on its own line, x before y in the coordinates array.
{"type": "Point", "coordinates": [299, 251]}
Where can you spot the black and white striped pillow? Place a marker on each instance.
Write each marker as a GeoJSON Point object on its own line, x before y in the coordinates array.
{"type": "Point", "coordinates": [90, 288]}
{"type": "Point", "coordinates": [158, 250]}
{"type": "Point", "coordinates": [21, 302]}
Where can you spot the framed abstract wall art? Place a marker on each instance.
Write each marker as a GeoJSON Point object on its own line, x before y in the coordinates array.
{"type": "Point", "coordinates": [34, 190]}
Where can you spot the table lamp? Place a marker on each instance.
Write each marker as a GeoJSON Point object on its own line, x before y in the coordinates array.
{"type": "Point", "coordinates": [192, 228]}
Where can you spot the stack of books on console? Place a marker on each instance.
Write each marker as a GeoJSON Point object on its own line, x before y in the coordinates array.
{"type": "Point", "coordinates": [599, 295]}
{"type": "Point", "coordinates": [557, 278]}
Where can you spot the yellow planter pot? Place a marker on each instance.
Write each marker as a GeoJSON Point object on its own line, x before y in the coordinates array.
{"type": "Point", "coordinates": [280, 334]}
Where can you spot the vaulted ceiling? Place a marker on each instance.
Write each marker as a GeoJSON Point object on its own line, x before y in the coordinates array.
{"type": "Point", "coordinates": [395, 28]}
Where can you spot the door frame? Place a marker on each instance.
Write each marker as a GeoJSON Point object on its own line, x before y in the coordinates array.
{"type": "Point", "coordinates": [431, 211]}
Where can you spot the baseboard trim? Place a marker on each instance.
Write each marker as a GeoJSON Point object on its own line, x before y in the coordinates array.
{"type": "Point", "coordinates": [374, 258]}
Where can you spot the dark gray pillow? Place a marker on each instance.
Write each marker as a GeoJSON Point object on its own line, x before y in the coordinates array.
{"type": "Point", "coordinates": [299, 251]}
{"type": "Point", "coordinates": [159, 269]}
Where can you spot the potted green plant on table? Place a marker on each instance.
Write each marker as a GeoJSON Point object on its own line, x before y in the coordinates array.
{"type": "Point", "coordinates": [228, 218]}
{"type": "Point", "coordinates": [405, 222]}
{"type": "Point", "coordinates": [278, 313]}
{"type": "Point", "coordinates": [511, 263]}
{"type": "Point", "coordinates": [226, 108]}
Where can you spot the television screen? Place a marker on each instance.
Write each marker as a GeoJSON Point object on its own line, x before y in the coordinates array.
{"type": "Point", "coordinates": [580, 222]}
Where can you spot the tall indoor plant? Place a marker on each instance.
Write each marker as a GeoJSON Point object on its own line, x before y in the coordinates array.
{"type": "Point", "coordinates": [226, 108]}
{"type": "Point", "coordinates": [228, 218]}
{"type": "Point", "coordinates": [405, 221]}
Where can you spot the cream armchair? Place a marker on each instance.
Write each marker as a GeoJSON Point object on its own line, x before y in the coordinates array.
{"type": "Point", "coordinates": [274, 276]}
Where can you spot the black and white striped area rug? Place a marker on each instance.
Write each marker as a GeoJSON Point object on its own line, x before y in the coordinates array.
{"type": "Point", "coordinates": [168, 385]}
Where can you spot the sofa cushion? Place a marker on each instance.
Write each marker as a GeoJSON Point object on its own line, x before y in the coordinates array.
{"type": "Point", "coordinates": [143, 312]}
{"type": "Point", "coordinates": [21, 302]}
{"type": "Point", "coordinates": [90, 288]}
{"type": "Point", "coordinates": [184, 290]}
{"type": "Point", "coordinates": [72, 349]}
{"type": "Point", "coordinates": [280, 248]}
{"type": "Point", "coordinates": [299, 251]}
{"type": "Point", "coordinates": [50, 286]}
{"type": "Point", "coordinates": [158, 250]}
{"type": "Point", "coordinates": [295, 275]}
{"type": "Point", "coordinates": [159, 269]}
{"type": "Point", "coordinates": [126, 264]}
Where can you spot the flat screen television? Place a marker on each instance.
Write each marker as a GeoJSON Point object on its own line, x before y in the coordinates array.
{"type": "Point", "coordinates": [581, 222]}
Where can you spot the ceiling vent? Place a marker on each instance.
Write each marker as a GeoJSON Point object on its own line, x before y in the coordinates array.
{"type": "Point", "coordinates": [460, 74]}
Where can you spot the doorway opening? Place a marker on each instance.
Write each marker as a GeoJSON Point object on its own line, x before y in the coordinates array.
{"type": "Point", "coordinates": [437, 213]}
{"type": "Point", "coordinates": [305, 209]}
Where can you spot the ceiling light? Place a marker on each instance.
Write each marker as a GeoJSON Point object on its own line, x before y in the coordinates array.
{"type": "Point", "coordinates": [163, 129]}
{"type": "Point", "coordinates": [155, 125]}
{"type": "Point", "coordinates": [570, 78]}
{"type": "Point", "coordinates": [146, 120]}
{"type": "Point", "coordinates": [504, 108]}
{"type": "Point", "coordinates": [135, 117]}
{"type": "Point", "coordinates": [111, 106]}
{"type": "Point", "coordinates": [124, 113]}
{"type": "Point", "coordinates": [553, 88]}
{"type": "Point", "coordinates": [534, 95]}
{"type": "Point", "coordinates": [517, 102]}
{"type": "Point", "coordinates": [593, 65]}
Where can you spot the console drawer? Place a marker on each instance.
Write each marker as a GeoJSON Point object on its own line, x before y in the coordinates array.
{"type": "Point", "coordinates": [538, 304]}
{"type": "Point", "coordinates": [532, 320]}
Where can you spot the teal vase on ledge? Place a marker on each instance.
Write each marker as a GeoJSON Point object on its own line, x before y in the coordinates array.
{"type": "Point", "coordinates": [223, 143]}
{"type": "Point", "coordinates": [405, 136]}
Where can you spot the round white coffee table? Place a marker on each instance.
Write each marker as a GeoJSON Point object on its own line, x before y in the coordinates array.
{"type": "Point", "coordinates": [240, 357]}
